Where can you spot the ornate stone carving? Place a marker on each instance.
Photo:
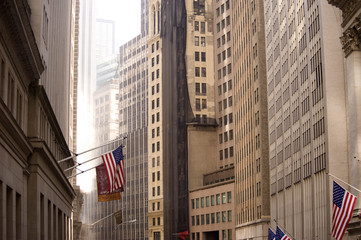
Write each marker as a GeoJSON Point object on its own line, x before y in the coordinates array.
{"type": "Point", "coordinates": [348, 8]}
{"type": "Point", "coordinates": [351, 38]}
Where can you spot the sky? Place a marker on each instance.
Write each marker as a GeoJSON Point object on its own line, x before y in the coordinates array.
{"type": "Point", "coordinates": [125, 13]}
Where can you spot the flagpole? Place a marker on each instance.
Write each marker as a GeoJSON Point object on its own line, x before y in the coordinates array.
{"type": "Point", "coordinates": [81, 172]}
{"type": "Point", "coordinates": [79, 164]}
{"type": "Point", "coordinates": [285, 230]}
{"type": "Point", "coordinates": [344, 182]}
{"type": "Point", "coordinates": [89, 150]}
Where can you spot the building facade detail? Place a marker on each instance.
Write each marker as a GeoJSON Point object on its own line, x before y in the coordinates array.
{"type": "Point", "coordinates": [351, 37]}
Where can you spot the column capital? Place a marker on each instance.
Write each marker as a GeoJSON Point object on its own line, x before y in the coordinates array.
{"type": "Point", "coordinates": [351, 37]}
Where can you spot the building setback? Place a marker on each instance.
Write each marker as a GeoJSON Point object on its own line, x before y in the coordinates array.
{"type": "Point", "coordinates": [307, 114]}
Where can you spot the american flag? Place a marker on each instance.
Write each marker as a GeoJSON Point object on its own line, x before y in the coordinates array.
{"type": "Point", "coordinates": [271, 234]}
{"type": "Point", "coordinates": [343, 204]}
{"type": "Point", "coordinates": [280, 235]}
{"type": "Point", "coordinates": [114, 164]}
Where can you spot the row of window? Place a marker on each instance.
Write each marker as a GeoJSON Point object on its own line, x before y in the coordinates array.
{"type": "Point", "coordinates": [212, 218]}
{"type": "Point", "coordinates": [225, 151]}
{"type": "Point", "coordinates": [196, 236]}
{"type": "Point", "coordinates": [202, 43]}
{"type": "Point", "coordinates": [199, 56]}
{"type": "Point", "coordinates": [220, 10]}
{"type": "Point", "coordinates": [225, 54]}
{"type": "Point", "coordinates": [156, 191]}
{"type": "Point", "coordinates": [223, 137]}
{"type": "Point", "coordinates": [224, 71]}
{"type": "Point", "coordinates": [221, 198]}
{"type": "Point", "coordinates": [224, 85]}
{"type": "Point", "coordinates": [225, 120]}
{"type": "Point", "coordinates": [227, 102]}
{"type": "Point", "coordinates": [222, 24]}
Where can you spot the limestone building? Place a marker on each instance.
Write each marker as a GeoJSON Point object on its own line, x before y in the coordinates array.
{"type": "Point", "coordinates": [167, 144]}
{"type": "Point", "coordinates": [36, 196]}
{"type": "Point", "coordinates": [308, 132]}
{"type": "Point", "coordinates": [251, 123]}
{"type": "Point", "coordinates": [224, 83]}
{"type": "Point", "coordinates": [350, 40]}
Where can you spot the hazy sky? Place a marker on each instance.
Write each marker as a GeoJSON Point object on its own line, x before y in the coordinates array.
{"type": "Point", "coordinates": [125, 13]}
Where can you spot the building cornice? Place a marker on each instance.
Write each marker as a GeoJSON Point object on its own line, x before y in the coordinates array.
{"type": "Point", "coordinates": [351, 38]}
{"type": "Point", "coordinates": [15, 14]}
{"type": "Point", "coordinates": [348, 7]}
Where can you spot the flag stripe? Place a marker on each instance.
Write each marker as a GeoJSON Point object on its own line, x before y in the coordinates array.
{"type": "Point", "coordinates": [114, 165]}
{"type": "Point", "coordinates": [343, 204]}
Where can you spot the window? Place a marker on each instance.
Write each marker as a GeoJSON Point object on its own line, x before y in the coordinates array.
{"type": "Point", "coordinates": [207, 201]}
{"type": "Point", "coordinates": [220, 156]}
{"type": "Point", "coordinates": [196, 41]}
{"type": "Point", "coordinates": [158, 190]}
{"type": "Point", "coordinates": [218, 217]}
{"type": "Point", "coordinates": [197, 72]}
{"type": "Point", "coordinates": [198, 104]}
{"type": "Point", "coordinates": [197, 202]}
{"type": "Point", "coordinates": [204, 103]}
{"type": "Point", "coordinates": [202, 202]}
{"type": "Point", "coordinates": [196, 26]}
{"type": "Point", "coordinates": [224, 199]}
{"type": "Point", "coordinates": [224, 216]}
{"type": "Point", "coordinates": [158, 176]}
{"type": "Point", "coordinates": [229, 197]}
{"type": "Point", "coordinates": [204, 88]}
{"type": "Point", "coordinates": [196, 56]}
{"type": "Point", "coordinates": [198, 88]}
{"type": "Point", "coordinates": [193, 205]}
{"type": "Point", "coordinates": [203, 41]}
{"type": "Point", "coordinates": [218, 199]}
{"type": "Point", "coordinates": [203, 56]}
{"type": "Point", "coordinates": [204, 72]}
{"type": "Point", "coordinates": [229, 213]}
{"type": "Point", "coordinates": [203, 27]}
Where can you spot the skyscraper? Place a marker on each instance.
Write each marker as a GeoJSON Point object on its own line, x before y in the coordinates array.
{"type": "Point", "coordinates": [251, 123]}
{"type": "Point", "coordinates": [168, 145]}
{"type": "Point", "coordinates": [307, 114]}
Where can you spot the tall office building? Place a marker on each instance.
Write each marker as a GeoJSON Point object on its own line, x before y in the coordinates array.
{"type": "Point", "coordinates": [104, 38]}
{"type": "Point", "coordinates": [307, 114]}
{"type": "Point", "coordinates": [224, 82]}
{"type": "Point", "coordinates": [251, 123]}
{"type": "Point", "coordinates": [168, 90]}
{"type": "Point", "coordinates": [133, 123]}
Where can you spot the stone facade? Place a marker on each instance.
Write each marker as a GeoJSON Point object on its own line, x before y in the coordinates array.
{"type": "Point", "coordinates": [36, 196]}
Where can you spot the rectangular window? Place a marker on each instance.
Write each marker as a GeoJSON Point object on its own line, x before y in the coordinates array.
{"type": "Point", "coordinates": [197, 72]}
{"type": "Point", "coordinates": [204, 72]}
{"type": "Point", "coordinates": [196, 41]}
{"type": "Point", "coordinates": [198, 104]}
{"type": "Point", "coordinates": [203, 41]}
{"type": "Point", "coordinates": [212, 200]}
{"type": "Point", "coordinates": [204, 103]}
{"type": "Point", "coordinates": [196, 56]}
{"type": "Point", "coordinates": [229, 197]}
{"type": "Point", "coordinates": [224, 199]}
{"type": "Point", "coordinates": [196, 26]}
{"type": "Point", "coordinates": [198, 88]}
{"type": "Point", "coordinates": [203, 27]}
{"type": "Point", "coordinates": [204, 88]}
{"type": "Point", "coordinates": [203, 56]}
{"type": "Point", "coordinates": [202, 202]}
{"type": "Point", "coordinates": [218, 197]}
{"type": "Point", "coordinates": [207, 201]}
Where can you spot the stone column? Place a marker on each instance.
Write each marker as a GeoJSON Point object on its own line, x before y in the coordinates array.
{"type": "Point", "coordinates": [351, 41]}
